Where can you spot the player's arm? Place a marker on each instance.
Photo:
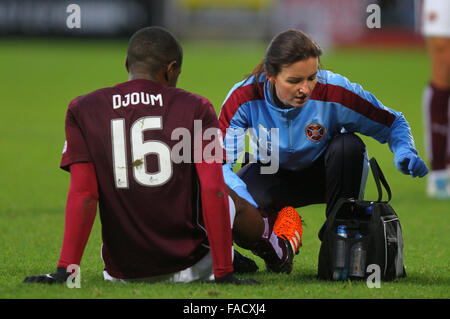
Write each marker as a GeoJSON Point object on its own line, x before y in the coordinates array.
{"type": "Point", "coordinates": [81, 209]}
{"type": "Point", "coordinates": [215, 205]}
{"type": "Point", "coordinates": [217, 222]}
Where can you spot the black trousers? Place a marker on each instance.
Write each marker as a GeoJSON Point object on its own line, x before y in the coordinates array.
{"type": "Point", "coordinates": [340, 172]}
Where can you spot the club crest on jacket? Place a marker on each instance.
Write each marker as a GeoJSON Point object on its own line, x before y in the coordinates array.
{"type": "Point", "coordinates": [315, 132]}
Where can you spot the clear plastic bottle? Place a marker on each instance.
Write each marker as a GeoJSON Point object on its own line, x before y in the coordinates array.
{"type": "Point", "coordinates": [340, 272]}
{"type": "Point", "coordinates": [357, 259]}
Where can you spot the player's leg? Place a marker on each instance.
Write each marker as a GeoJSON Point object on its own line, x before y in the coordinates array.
{"type": "Point", "coordinates": [248, 227]}
{"type": "Point", "coordinates": [248, 224]}
{"type": "Point", "coordinates": [281, 233]}
{"type": "Point", "coordinates": [436, 113]}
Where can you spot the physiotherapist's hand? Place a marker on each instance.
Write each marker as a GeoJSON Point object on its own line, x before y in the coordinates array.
{"type": "Point", "coordinates": [411, 164]}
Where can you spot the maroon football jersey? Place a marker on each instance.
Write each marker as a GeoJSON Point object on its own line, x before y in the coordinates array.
{"type": "Point", "coordinates": [150, 206]}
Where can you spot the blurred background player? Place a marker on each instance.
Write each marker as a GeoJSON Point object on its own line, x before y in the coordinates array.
{"type": "Point", "coordinates": [436, 98]}
{"type": "Point", "coordinates": [161, 221]}
{"type": "Point", "coordinates": [316, 113]}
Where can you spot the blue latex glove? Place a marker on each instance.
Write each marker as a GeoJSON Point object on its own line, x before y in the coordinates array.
{"type": "Point", "coordinates": [411, 164]}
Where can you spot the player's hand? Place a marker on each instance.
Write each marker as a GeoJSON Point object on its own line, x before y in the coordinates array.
{"type": "Point", "coordinates": [231, 279]}
{"type": "Point", "coordinates": [60, 276]}
{"type": "Point", "coordinates": [411, 164]}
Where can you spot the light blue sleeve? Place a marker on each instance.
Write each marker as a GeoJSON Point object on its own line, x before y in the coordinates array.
{"type": "Point", "coordinates": [235, 183]}
{"type": "Point", "coordinates": [400, 139]}
{"type": "Point", "coordinates": [398, 135]}
{"type": "Point", "coordinates": [234, 143]}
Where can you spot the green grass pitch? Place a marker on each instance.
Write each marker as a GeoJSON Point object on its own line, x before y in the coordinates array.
{"type": "Point", "coordinates": [40, 77]}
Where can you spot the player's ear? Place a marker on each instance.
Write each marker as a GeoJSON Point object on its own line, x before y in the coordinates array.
{"type": "Point", "coordinates": [172, 72]}
{"type": "Point", "coordinates": [126, 64]}
{"type": "Point", "coordinates": [172, 67]}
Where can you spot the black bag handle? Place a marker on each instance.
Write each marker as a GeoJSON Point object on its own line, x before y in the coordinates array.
{"type": "Point", "coordinates": [379, 179]}
{"type": "Point", "coordinates": [332, 216]}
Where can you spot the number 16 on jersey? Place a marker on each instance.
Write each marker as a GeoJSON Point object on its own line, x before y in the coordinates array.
{"type": "Point", "coordinates": [139, 150]}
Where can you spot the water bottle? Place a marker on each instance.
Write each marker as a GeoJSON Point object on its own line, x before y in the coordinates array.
{"type": "Point", "coordinates": [357, 259]}
{"type": "Point", "coordinates": [340, 272]}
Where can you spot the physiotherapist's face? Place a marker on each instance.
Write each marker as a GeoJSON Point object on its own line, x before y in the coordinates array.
{"type": "Point", "coordinates": [295, 82]}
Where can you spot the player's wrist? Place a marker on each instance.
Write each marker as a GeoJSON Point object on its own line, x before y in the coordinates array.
{"type": "Point", "coordinates": [61, 274]}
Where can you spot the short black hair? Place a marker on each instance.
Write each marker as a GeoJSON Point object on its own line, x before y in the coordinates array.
{"type": "Point", "coordinates": [153, 47]}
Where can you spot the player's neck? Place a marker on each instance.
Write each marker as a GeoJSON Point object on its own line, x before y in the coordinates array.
{"type": "Point", "coordinates": [142, 76]}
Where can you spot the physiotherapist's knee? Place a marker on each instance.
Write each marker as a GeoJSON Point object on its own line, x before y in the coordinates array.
{"type": "Point", "coordinates": [346, 146]}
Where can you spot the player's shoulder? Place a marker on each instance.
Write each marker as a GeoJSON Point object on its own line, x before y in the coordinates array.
{"type": "Point", "coordinates": [171, 96]}
{"type": "Point", "coordinates": [187, 99]}
{"type": "Point", "coordinates": [91, 98]}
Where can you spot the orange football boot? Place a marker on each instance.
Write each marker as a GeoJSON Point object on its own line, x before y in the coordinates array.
{"type": "Point", "coordinates": [289, 226]}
